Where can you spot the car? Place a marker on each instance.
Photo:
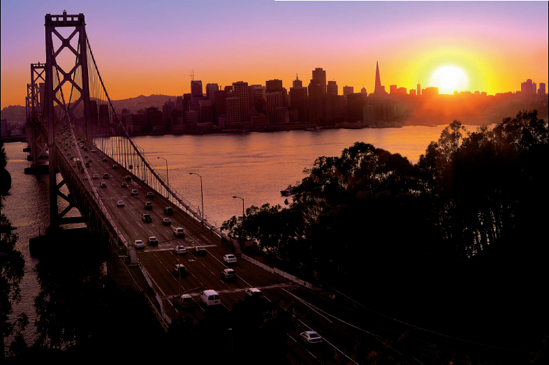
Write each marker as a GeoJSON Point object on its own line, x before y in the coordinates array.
{"type": "Point", "coordinates": [210, 297]}
{"type": "Point", "coordinates": [134, 192]}
{"type": "Point", "coordinates": [105, 159]}
{"type": "Point", "coordinates": [146, 218]}
{"type": "Point", "coordinates": [105, 176]}
{"type": "Point", "coordinates": [310, 337]}
{"type": "Point", "coordinates": [87, 164]}
{"type": "Point", "coordinates": [149, 195]}
{"type": "Point", "coordinates": [127, 178]}
{"type": "Point", "coordinates": [229, 258]}
{"type": "Point", "coordinates": [167, 221]}
{"type": "Point", "coordinates": [120, 203]}
{"type": "Point", "coordinates": [85, 156]}
{"type": "Point", "coordinates": [114, 167]}
{"type": "Point", "coordinates": [95, 176]}
{"type": "Point", "coordinates": [185, 300]}
{"type": "Point", "coordinates": [85, 148]}
{"type": "Point", "coordinates": [90, 160]}
{"type": "Point", "coordinates": [153, 240]}
{"type": "Point", "coordinates": [178, 232]}
{"type": "Point", "coordinates": [180, 250]}
{"type": "Point", "coordinates": [93, 150]}
{"type": "Point", "coordinates": [199, 250]}
{"type": "Point", "coordinates": [103, 184]}
{"type": "Point", "coordinates": [228, 274]}
{"type": "Point", "coordinates": [124, 185]}
{"type": "Point", "coordinates": [168, 211]}
{"type": "Point", "coordinates": [148, 205]}
{"type": "Point", "coordinates": [179, 269]}
{"type": "Point", "coordinates": [139, 244]}
{"type": "Point", "coordinates": [253, 293]}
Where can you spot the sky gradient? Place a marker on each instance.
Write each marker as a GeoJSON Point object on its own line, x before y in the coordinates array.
{"type": "Point", "coordinates": [145, 47]}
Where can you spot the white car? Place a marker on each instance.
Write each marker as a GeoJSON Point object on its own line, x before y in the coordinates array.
{"type": "Point", "coordinates": [253, 293]}
{"type": "Point", "coordinates": [120, 203]}
{"type": "Point", "coordinates": [310, 337]}
{"type": "Point", "coordinates": [139, 244]}
{"type": "Point", "coordinates": [95, 176]}
{"type": "Point", "coordinates": [229, 258]}
{"type": "Point", "coordinates": [180, 250]}
{"type": "Point", "coordinates": [179, 232]}
{"type": "Point", "coordinates": [153, 240]}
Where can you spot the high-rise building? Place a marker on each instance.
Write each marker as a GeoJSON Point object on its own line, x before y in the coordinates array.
{"type": "Point", "coordinates": [393, 89]}
{"type": "Point", "coordinates": [297, 82]}
{"type": "Point", "coordinates": [364, 92]}
{"type": "Point", "coordinates": [274, 101]}
{"type": "Point", "coordinates": [541, 90]}
{"type": "Point", "coordinates": [233, 111]}
{"type": "Point", "coordinates": [210, 92]}
{"type": "Point", "coordinates": [273, 85]}
{"type": "Point", "coordinates": [220, 103]}
{"type": "Point", "coordinates": [316, 112]}
{"type": "Point", "coordinates": [319, 75]}
{"type": "Point", "coordinates": [298, 101]}
{"type": "Point", "coordinates": [347, 90]}
{"type": "Point", "coordinates": [331, 89]}
{"type": "Point", "coordinates": [355, 105]}
{"type": "Point", "coordinates": [240, 91]}
{"type": "Point", "coordinates": [418, 88]}
{"type": "Point", "coordinates": [167, 109]}
{"type": "Point", "coordinates": [196, 89]}
{"type": "Point", "coordinates": [379, 89]}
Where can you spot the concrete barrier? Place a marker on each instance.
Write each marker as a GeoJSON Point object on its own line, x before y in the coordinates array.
{"type": "Point", "coordinates": [284, 274]}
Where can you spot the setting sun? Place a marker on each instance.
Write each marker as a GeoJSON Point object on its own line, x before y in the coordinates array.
{"type": "Point", "coordinates": [448, 79]}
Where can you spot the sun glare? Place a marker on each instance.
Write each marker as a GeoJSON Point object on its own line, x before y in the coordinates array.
{"type": "Point", "coordinates": [449, 79]}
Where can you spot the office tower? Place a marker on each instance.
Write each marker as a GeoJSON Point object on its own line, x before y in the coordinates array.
{"type": "Point", "coordinates": [430, 92]}
{"type": "Point", "coordinates": [526, 87]}
{"type": "Point", "coordinates": [210, 92]}
{"type": "Point", "coordinates": [315, 102]}
{"type": "Point", "coordinates": [228, 89]}
{"type": "Point", "coordinates": [167, 109]}
{"type": "Point", "coordinates": [240, 91]}
{"type": "Point", "coordinates": [220, 103]}
{"type": "Point", "coordinates": [331, 89]}
{"type": "Point", "coordinates": [418, 89]}
{"type": "Point", "coordinates": [233, 111]}
{"type": "Point", "coordinates": [274, 101]}
{"type": "Point", "coordinates": [196, 89]}
{"type": "Point", "coordinates": [273, 85]}
{"type": "Point", "coordinates": [364, 92]}
{"type": "Point", "coordinates": [297, 82]}
{"type": "Point", "coordinates": [355, 105]}
{"type": "Point", "coordinates": [251, 92]}
{"type": "Point", "coordinates": [179, 103]}
{"type": "Point", "coordinates": [319, 75]}
{"type": "Point", "coordinates": [258, 98]}
{"type": "Point", "coordinates": [541, 90]}
{"type": "Point", "coordinates": [348, 90]}
{"type": "Point", "coordinates": [392, 89]}
{"type": "Point", "coordinates": [298, 101]}
{"type": "Point", "coordinates": [379, 89]}
{"type": "Point", "coordinates": [412, 92]}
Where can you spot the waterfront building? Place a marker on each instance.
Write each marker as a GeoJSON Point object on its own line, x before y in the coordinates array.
{"type": "Point", "coordinates": [210, 92]}
{"type": "Point", "coordinates": [298, 102]}
{"type": "Point", "coordinates": [316, 114]}
{"type": "Point", "coordinates": [347, 90]}
{"type": "Point", "coordinates": [273, 101]}
{"type": "Point", "coordinates": [240, 91]}
{"type": "Point", "coordinates": [233, 112]}
{"type": "Point", "coordinates": [319, 75]}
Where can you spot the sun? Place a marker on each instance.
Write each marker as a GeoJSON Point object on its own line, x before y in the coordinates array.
{"type": "Point", "coordinates": [449, 79]}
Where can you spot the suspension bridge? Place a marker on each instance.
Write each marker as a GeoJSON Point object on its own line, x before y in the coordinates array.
{"type": "Point", "coordinates": [74, 128]}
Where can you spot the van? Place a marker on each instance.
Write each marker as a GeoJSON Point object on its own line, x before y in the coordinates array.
{"type": "Point", "coordinates": [210, 297]}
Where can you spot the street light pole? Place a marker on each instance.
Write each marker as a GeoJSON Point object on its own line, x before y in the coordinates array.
{"type": "Point", "coordinates": [167, 170]}
{"type": "Point", "coordinates": [201, 191]}
{"type": "Point", "coordinates": [243, 213]}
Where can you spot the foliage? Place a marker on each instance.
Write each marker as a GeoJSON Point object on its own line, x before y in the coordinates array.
{"type": "Point", "coordinates": [475, 203]}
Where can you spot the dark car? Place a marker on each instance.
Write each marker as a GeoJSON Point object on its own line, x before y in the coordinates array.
{"type": "Point", "coordinates": [114, 167]}
{"type": "Point", "coordinates": [149, 195]}
{"type": "Point", "coordinates": [128, 178]}
{"type": "Point", "coordinates": [199, 250]}
{"type": "Point", "coordinates": [148, 205]}
{"type": "Point", "coordinates": [146, 218]}
{"type": "Point", "coordinates": [179, 269]}
{"type": "Point", "coordinates": [168, 211]}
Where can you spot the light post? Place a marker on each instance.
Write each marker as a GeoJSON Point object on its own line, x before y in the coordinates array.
{"type": "Point", "coordinates": [167, 170]}
{"type": "Point", "coordinates": [243, 213]}
{"type": "Point", "coordinates": [201, 191]}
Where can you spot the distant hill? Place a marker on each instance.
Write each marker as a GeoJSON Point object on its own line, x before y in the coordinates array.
{"type": "Point", "coordinates": [140, 102]}
{"type": "Point", "coordinates": [17, 113]}
{"type": "Point", "coordinates": [14, 113]}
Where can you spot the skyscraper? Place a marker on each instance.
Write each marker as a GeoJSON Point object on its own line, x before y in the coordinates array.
{"type": "Point", "coordinates": [541, 89]}
{"type": "Point", "coordinates": [196, 89]}
{"type": "Point", "coordinates": [297, 82]}
{"type": "Point", "coordinates": [241, 91]}
{"type": "Point", "coordinates": [319, 75]}
{"type": "Point", "coordinates": [379, 89]}
{"type": "Point", "coordinates": [316, 110]}
{"type": "Point", "coordinates": [418, 93]}
{"type": "Point", "coordinates": [210, 92]}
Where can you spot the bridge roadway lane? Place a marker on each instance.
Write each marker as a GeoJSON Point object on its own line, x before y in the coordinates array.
{"type": "Point", "coordinates": [204, 271]}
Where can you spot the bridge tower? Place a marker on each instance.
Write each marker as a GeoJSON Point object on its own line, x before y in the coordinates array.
{"type": "Point", "coordinates": [35, 108]}
{"type": "Point", "coordinates": [55, 107]}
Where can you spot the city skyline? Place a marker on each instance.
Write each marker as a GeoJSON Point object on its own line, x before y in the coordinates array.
{"type": "Point", "coordinates": [410, 41]}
